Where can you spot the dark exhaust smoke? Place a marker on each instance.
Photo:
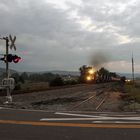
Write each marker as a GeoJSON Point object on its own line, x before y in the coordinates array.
{"type": "Point", "coordinates": [99, 59]}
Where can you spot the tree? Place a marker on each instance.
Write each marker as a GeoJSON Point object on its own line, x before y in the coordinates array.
{"type": "Point", "coordinates": [103, 75]}
{"type": "Point", "coordinates": [35, 77]}
{"type": "Point", "coordinates": [24, 76]}
{"type": "Point", "coordinates": [16, 77]}
{"type": "Point", "coordinates": [58, 81]}
{"type": "Point", "coordinates": [47, 77]}
{"type": "Point", "coordinates": [103, 71]}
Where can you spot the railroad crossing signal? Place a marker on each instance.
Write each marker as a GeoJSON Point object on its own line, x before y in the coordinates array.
{"type": "Point", "coordinates": [10, 58]}
{"type": "Point", "coordinates": [8, 82]}
{"type": "Point", "coordinates": [16, 58]}
{"type": "Point", "coordinates": [12, 42]}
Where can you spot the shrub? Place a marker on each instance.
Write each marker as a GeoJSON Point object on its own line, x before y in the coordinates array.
{"type": "Point", "coordinates": [17, 86]}
{"type": "Point", "coordinates": [58, 81]}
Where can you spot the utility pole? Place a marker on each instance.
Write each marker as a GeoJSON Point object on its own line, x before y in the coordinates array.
{"type": "Point", "coordinates": [133, 70]}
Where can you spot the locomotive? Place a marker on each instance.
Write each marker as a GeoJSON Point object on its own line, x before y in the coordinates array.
{"type": "Point", "coordinates": [89, 74]}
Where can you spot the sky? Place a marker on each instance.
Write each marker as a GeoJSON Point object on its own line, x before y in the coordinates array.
{"type": "Point", "coordinates": [66, 34]}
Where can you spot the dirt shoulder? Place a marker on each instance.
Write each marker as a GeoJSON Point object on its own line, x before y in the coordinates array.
{"type": "Point", "coordinates": [94, 97]}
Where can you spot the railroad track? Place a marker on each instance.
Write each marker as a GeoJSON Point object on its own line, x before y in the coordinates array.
{"type": "Point", "coordinates": [97, 97]}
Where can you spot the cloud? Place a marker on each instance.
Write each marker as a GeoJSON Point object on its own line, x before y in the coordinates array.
{"type": "Point", "coordinates": [52, 36]}
{"type": "Point", "coordinates": [118, 65]}
{"type": "Point", "coordinates": [122, 15]}
{"type": "Point", "coordinates": [44, 33]}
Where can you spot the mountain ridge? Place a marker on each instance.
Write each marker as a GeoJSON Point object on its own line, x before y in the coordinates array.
{"type": "Point", "coordinates": [63, 72]}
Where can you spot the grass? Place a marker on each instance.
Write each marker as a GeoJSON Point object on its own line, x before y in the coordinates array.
{"type": "Point", "coordinates": [133, 92]}
{"type": "Point", "coordinates": [131, 97]}
{"type": "Point", "coordinates": [29, 87]}
{"type": "Point", "coordinates": [34, 86]}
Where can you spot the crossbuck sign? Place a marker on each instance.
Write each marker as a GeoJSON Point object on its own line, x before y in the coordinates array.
{"type": "Point", "coordinates": [12, 42]}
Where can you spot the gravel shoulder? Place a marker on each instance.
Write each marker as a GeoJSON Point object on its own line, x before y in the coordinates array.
{"type": "Point", "coordinates": [83, 97]}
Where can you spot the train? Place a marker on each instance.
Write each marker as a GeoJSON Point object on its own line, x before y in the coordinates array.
{"type": "Point", "coordinates": [89, 74]}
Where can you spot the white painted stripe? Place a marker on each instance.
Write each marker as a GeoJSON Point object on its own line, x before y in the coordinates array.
{"type": "Point", "coordinates": [78, 111]}
{"type": "Point", "coordinates": [115, 115]}
{"type": "Point", "coordinates": [101, 117]}
{"type": "Point", "coordinates": [118, 122]}
{"type": "Point", "coordinates": [133, 122]}
{"type": "Point", "coordinates": [96, 119]}
{"type": "Point", "coordinates": [118, 118]}
{"type": "Point", "coordinates": [127, 115]}
{"type": "Point", "coordinates": [97, 122]}
{"type": "Point", "coordinates": [78, 115]}
{"type": "Point", "coordinates": [89, 117]}
{"type": "Point", "coordinates": [66, 119]}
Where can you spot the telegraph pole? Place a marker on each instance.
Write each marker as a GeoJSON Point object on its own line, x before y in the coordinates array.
{"type": "Point", "coordinates": [133, 70]}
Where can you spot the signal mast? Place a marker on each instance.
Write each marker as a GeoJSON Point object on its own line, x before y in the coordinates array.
{"type": "Point", "coordinates": [8, 83]}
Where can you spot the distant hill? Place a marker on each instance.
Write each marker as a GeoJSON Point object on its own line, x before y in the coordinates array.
{"type": "Point", "coordinates": [2, 70]}
{"type": "Point", "coordinates": [73, 73]}
{"type": "Point", "coordinates": [129, 75]}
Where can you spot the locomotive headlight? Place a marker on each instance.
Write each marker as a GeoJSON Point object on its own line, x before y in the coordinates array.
{"type": "Point", "coordinates": [88, 78]}
{"type": "Point", "coordinates": [91, 71]}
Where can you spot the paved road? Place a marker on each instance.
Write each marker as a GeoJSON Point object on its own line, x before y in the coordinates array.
{"type": "Point", "coordinates": [41, 125]}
